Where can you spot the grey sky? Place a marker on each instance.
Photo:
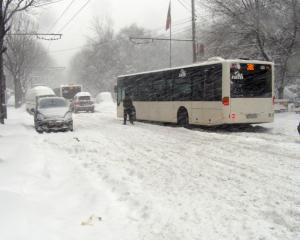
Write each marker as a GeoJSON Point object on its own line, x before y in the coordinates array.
{"type": "Point", "coordinates": [150, 14]}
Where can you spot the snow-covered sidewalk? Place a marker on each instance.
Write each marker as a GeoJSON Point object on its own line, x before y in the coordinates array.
{"type": "Point", "coordinates": [148, 182]}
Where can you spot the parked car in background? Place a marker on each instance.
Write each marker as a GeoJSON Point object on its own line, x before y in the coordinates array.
{"type": "Point", "coordinates": [34, 94]}
{"type": "Point", "coordinates": [52, 114]}
{"type": "Point", "coordinates": [82, 102]}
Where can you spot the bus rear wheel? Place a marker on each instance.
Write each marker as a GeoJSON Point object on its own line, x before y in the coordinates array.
{"type": "Point", "coordinates": [183, 118]}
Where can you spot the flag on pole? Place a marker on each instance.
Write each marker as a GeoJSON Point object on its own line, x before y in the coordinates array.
{"type": "Point", "coordinates": [168, 23]}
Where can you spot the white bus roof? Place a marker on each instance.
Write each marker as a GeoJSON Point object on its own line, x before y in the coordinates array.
{"type": "Point", "coordinates": [210, 61]}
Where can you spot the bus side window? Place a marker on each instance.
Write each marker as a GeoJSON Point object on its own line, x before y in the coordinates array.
{"type": "Point", "coordinates": [159, 86]}
{"type": "Point", "coordinates": [144, 89]}
{"type": "Point", "coordinates": [198, 80]}
{"type": "Point", "coordinates": [167, 86]}
{"type": "Point", "coordinates": [169, 89]}
{"type": "Point", "coordinates": [213, 83]}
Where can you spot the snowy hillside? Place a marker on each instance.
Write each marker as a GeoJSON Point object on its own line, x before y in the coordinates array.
{"type": "Point", "coordinates": [109, 181]}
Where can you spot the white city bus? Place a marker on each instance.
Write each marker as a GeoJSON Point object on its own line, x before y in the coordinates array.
{"type": "Point", "coordinates": [214, 92]}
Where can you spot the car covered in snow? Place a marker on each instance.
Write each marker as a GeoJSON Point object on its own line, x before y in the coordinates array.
{"type": "Point", "coordinates": [82, 102]}
{"type": "Point", "coordinates": [52, 114]}
{"type": "Point", "coordinates": [34, 94]}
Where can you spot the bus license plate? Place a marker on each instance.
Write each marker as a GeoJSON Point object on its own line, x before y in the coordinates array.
{"type": "Point", "coordinates": [251, 116]}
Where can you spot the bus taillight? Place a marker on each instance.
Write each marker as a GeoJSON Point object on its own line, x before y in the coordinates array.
{"type": "Point", "coordinates": [225, 101]}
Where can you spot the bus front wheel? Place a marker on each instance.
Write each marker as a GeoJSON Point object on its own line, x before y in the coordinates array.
{"type": "Point", "coordinates": [183, 118]}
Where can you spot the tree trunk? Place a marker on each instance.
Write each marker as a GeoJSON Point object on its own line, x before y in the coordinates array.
{"type": "Point", "coordinates": [18, 92]}
{"type": "Point", "coordinates": [3, 113]}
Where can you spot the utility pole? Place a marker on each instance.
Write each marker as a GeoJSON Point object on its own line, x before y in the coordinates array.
{"type": "Point", "coordinates": [194, 32]}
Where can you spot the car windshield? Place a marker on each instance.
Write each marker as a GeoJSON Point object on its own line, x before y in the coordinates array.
{"type": "Point", "coordinates": [52, 103]}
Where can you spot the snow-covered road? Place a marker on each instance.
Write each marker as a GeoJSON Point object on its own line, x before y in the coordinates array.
{"type": "Point", "coordinates": [148, 181]}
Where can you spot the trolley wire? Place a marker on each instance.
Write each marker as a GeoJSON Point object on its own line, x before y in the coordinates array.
{"type": "Point", "coordinates": [74, 16]}
{"type": "Point", "coordinates": [48, 3]}
{"type": "Point", "coordinates": [61, 15]}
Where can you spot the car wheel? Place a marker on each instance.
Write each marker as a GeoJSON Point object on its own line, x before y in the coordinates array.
{"type": "Point", "coordinates": [183, 118]}
{"type": "Point", "coordinates": [38, 129]}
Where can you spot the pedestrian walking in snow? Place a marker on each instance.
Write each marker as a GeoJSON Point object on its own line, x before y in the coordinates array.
{"type": "Point", "coordinates": [128, 108]}
{"type": "Point", "coordinates": [299, 128]}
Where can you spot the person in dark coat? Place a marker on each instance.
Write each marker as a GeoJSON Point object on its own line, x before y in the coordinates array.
{"type": "Point", "coordinates": [299, 128]}
{"type": "Point", "coordinates": [128, 108]}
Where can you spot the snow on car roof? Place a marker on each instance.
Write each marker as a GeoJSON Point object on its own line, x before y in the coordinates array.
{"type": "Point", "coordinates": [50, 97]}
{"type": "Point", "coordinates": [83, 94]}
{"type": "Point", "coordinates": [41, 90]}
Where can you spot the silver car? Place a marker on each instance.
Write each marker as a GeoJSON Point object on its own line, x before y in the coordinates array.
{"type": "Point", "coordinates": [52, 114]}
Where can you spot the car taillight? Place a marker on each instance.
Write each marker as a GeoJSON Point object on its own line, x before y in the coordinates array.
{"type": "Point", "coordinates": [274, 100]}
{"type": "Point", "coordinates": [226, 101]}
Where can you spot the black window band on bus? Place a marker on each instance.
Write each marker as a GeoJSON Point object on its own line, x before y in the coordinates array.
{"type": "Point", "coordinates": [201, 83]}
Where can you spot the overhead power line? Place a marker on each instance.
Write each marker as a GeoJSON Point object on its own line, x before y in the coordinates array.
{"type": "Point", "coordinates": [159, 39]}
{"type": "Point", "coordinates": [42, 36]}
{"type": "Point", "coordinates": [183, 5]}
{"type": "Point", "coordinates": [74, 16]}
{"type": "Point", "coordinates": [48, 3]}
{"type": "Point", "coordinates": [80, 47]}
{"type": "Point", "coordinates": [61, 15]}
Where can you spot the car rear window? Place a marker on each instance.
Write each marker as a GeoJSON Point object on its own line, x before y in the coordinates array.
{"type": "Point", "coordinates": [52, 103]}
{"type": "Point", "coordinates": [85, 98]}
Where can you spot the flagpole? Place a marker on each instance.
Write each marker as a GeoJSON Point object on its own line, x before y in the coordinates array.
{"type": "Point", "coordinates": [170, 37]}
{"type": "Point", "coordinates": [171, 45]}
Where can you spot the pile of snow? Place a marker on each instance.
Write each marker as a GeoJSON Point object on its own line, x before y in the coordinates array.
{"type": "Point", "coordinates": [110, 181]}
{"type": "Point", "coordinates": [105, 103]}
{"type": "Point", "coordinates": [104, 97]}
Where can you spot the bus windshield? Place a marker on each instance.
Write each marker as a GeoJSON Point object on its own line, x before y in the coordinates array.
{"type": "Point", "coordinates": [250, 80]}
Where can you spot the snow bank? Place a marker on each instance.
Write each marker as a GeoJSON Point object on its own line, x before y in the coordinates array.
{"type": "Point", "coordinates": [105, 103]}
{"type": "Point", "coordinates": [147, 181]}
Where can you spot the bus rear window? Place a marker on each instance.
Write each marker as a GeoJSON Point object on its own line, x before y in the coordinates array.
{"type": "Point", "coordinates": [70, 92]}
{"type": "Point", "coordinates": [250, 80]}
{"type": "Point", "coordinates": [85, 98]}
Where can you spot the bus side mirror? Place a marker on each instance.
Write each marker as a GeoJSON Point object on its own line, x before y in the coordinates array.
{"type": "Point", "coordinates": [115, 89]}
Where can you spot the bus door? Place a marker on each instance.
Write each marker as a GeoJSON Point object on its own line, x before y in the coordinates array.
{"type": "Point", "coordinates": [120, 97]}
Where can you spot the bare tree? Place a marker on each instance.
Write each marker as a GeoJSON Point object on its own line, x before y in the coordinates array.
{"type": "Point", "coordinates": [23, 56]}
{"type": "Point", "coordinates": [266, 28]}
{"type": "Point", "coordinates": [8, 8]}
